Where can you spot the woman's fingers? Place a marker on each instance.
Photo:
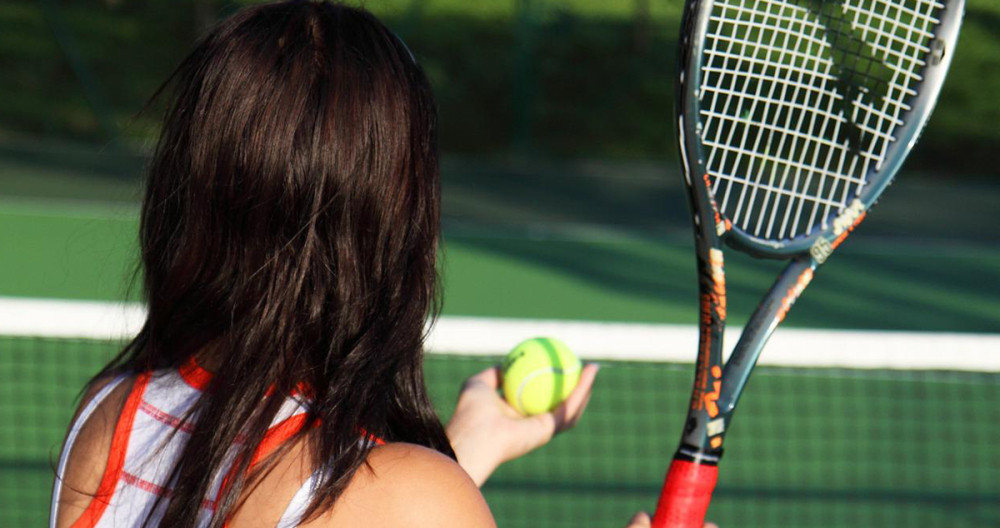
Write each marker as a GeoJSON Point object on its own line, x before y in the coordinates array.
{"type": "Point", "coordinates": [642, 520]}
{"type": "Point", "coordinates": [491, 378]}
{"type": "Point", "coordinates": [568, 413]}
{"type": "Point", "coordinates": [535, 431]}
{"type": "Point", "coordinates": [639, 520]}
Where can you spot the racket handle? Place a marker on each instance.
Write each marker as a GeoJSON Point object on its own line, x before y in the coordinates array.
{"type": "Point", "coordinates": [685, 496]}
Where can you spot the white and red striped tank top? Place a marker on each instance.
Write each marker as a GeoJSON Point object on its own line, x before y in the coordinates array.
{"type": "Point", "coordinates": [144, 449]}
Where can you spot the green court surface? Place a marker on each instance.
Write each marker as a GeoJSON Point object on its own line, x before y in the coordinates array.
{"type": "Point", "coordinates": [810, 448]}
{"type": "Point", "coordinates": [566, 240]}
{"type": "Point", "coordinates": [84, 251]}
{"type": "Point", "coordinates": [586, 241]}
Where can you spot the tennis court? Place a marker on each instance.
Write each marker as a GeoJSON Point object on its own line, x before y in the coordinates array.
{"type": "Point", "coordinates": [813, 446]}
{"type": "Point", "coordinates": [564, 214]}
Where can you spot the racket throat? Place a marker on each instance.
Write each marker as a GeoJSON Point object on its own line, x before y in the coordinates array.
{"type": "Point", "coordinates": [698, 455]}
{"type": "Point", "coordinates": [702, 442]}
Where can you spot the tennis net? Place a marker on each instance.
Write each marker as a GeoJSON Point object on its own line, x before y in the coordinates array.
{"type": "Point", "coordinates": [880, 444]}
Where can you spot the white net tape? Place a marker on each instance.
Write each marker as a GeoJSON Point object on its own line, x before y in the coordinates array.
{"type": "Point", "coordinates": [800, 100]}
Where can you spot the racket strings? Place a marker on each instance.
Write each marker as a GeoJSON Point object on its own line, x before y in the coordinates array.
{"type": "Point", "coordinates": [800, 100]}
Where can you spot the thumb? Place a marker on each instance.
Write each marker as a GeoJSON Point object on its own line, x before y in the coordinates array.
{"type": "Point", "coordinates": [490, 378]}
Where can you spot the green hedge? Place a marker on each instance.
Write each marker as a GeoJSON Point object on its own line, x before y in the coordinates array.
{"type": "Point", "coordinates": [550, 78]}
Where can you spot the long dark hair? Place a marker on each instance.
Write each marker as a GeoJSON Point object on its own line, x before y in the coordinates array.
{"type": "Point", "coordinates": [289, 233]}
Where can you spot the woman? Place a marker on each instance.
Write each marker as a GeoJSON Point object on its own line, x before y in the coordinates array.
{"type": "Point", "coordinates": [288, 235]}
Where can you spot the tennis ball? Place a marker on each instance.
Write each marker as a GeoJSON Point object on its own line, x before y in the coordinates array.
{"type": "Point", "coordinates": [539, 374]}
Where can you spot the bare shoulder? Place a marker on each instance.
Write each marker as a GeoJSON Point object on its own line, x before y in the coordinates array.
{"type": "Point", "coordinates": [412, 486]}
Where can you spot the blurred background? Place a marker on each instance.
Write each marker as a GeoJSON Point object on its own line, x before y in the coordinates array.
{"type": "Point", "coordinates": [562, 202]}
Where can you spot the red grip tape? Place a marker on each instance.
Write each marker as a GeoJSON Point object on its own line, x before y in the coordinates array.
{"type": "Point", "coordinates": [685, 496]}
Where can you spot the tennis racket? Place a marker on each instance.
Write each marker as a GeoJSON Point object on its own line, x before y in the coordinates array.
{"type": "Point", "coordinates": [793, 117]}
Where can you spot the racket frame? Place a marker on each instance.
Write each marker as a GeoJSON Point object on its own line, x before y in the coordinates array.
{"type": "Point", "coordinates": [692, 475]}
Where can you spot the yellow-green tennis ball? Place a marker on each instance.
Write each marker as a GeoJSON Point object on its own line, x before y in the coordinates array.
{"type": "Point", "coordinates": [539, 374]}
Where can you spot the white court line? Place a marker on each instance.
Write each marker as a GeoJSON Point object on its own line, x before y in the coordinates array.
{"type": "Point", "coordinates": [69, 319]}
{"type": "Point", "coordinates": [481, 336]}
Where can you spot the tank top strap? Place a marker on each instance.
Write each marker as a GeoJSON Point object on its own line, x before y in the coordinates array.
{"type": "Point", "coordinates": [296, 508]}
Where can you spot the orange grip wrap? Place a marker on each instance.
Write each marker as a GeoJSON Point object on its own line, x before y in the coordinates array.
{"type": "Point", "coordinates": [685, 496]}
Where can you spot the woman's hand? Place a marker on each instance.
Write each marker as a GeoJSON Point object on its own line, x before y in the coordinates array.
{"type": "Point", "coordinates": [485, 431]}
{"type": "Point", "coordinates": [642, 520]}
